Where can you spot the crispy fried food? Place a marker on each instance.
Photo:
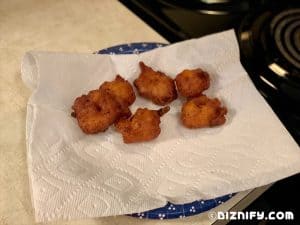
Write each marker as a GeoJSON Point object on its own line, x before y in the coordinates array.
{"type": "Point", "coordinates": [203, 112]}
{"type": "Point", "coordinates": [96, 111]}
{"type": "Point", "coordinates": [155, 85]}
{"type": "Point", "coordinates": [142, 126]}
{"type": "Point", "coordinates": [121, 89]}
{"type": "Point", "coordinates": [191, 83]}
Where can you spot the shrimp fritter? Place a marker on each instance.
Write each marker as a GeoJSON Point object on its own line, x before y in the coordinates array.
{"type": "Point", "coordinates": [142, 126]}
{"type": "Point", "coordinates": [203, 112]}
{"type": "Point", "coordinates": [191, 83]}
{"type": "Point", "coordinates": [155, 85]}
{"type": "Point", "coordinates": [96, 111]}
{"type": "Point", "coordinates": [121, 89]}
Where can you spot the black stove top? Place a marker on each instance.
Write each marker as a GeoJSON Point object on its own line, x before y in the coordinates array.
{"type": "Point", "coordinates": [270, 51]}
{"type": "Point", "coordinates": [268, 33]}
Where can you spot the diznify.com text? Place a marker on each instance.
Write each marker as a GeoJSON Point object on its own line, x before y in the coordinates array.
{"type": "Point", "coordinates": [251, 215]}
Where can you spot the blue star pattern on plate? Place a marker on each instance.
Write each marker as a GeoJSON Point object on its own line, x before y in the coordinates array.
{"type": "Point", "coordinates": [174, 211]}
{"type": "Point", "coordinates": [132, 48]}
{"type": "Point", "coordinates": [170, 210]}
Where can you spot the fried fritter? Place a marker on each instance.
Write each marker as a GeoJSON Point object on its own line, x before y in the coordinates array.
{"type": "Point", "coordinates": [96, 111]}
{"type": "Point", "coordinates": [191, 83]}
{"type": "Point", "coordinates": [155, 85]}
{"type": "Point", "coordinates": [121, 89]}
{"type": "Point", "coordinates": [142, 126]}
{"type": "Point", "coordinates": [203, 112]}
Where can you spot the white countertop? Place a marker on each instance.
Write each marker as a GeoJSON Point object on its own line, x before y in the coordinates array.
{"type": "Point", "coordinates": [60, 25]}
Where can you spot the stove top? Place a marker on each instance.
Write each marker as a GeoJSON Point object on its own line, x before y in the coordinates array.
{"type": "Point", "coordinates": [270, 51]}
{"type": "Point", "coordinates": [268, 33]}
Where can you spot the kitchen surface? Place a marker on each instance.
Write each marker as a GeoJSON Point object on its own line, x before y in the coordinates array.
{"type": "Point", "coordinates": [87, 26]}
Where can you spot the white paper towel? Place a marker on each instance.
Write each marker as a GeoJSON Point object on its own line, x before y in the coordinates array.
{"type": "Point", "coordinates": [74, 175]}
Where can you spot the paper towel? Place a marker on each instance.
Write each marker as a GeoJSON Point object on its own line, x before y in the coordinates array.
{"type": "Point", "coordinates": [74, 175]}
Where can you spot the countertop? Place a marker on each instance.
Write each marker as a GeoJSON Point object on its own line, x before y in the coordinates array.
{"type": "Point", "coordinates": [59, 25]}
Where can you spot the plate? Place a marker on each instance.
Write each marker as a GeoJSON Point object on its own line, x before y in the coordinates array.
{"type": "Point", "coordinates": [131, 48]}
{"type": "Point", "coordinates": [170, 210]}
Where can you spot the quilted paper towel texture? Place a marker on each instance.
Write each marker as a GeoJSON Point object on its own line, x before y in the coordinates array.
{"type": "Point", "coordinates": [74, 175]}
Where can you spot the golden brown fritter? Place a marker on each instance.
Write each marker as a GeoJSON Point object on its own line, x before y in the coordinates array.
{"type": "Point", "coordinates": [191, 83]}
{"type": "Point", "coordinates": [121, 89]}
{"type": "Point", "coordinates": [96, 111]}
{"type": "Point", "coordinates": [203, 112]}
{"type": "Point", "coordinates": [142, 126]}
{"type": "Point", "coordinates": [155, 85]}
